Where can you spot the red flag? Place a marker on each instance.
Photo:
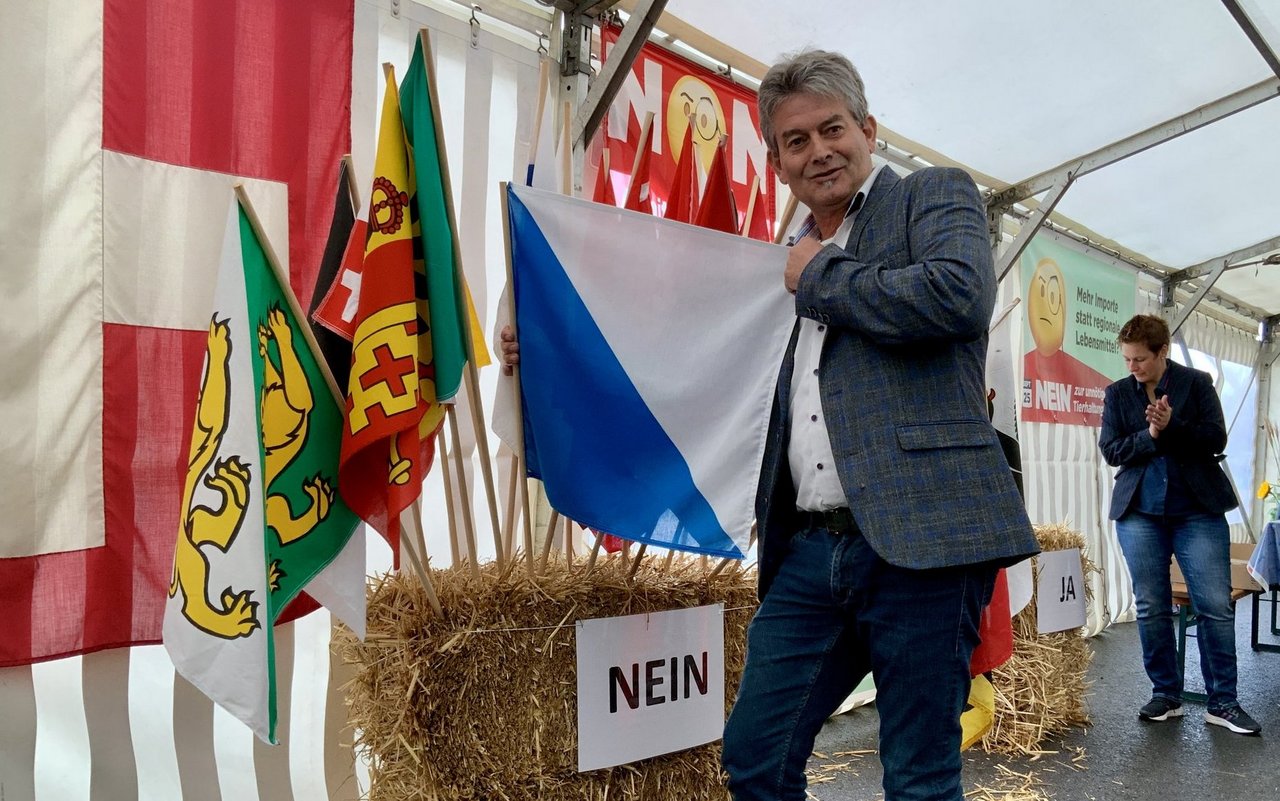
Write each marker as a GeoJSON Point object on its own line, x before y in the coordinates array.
{"type": "Point", "coordinates": [995, 630]}
{"type": "Point", "coordinates": [604, 184]}
{"type": "Point", "coordinates": [336, 311]}
{"type": "Point", "coordinates": [337, 298]}
{"type": "Point", "coordinates": [388, 444]}
{"type": "Point", "coordinates": [718, 211]}
{"type": "Point", "coordinates": [682, 203]}
{"type": "Point", "coordinates": [638, 198]}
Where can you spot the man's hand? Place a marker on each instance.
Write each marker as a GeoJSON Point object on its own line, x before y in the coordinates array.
{"type": "Point", "coordinates": [510, 349]}
{"type": "Point", "coordinates": [801, 253]}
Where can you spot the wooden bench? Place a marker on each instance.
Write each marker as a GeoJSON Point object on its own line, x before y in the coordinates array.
{"type": "Point", "coordinates": [1242, 586]}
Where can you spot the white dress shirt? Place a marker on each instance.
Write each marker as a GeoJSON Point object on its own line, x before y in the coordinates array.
{"type": "Point", "coordinates": [813, 465]}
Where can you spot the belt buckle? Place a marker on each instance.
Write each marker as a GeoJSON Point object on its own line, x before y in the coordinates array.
{"type": "Point", "coordinates": [838, 521]}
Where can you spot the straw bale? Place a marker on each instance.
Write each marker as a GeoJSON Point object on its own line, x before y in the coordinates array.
{"type": "Point", "coordinates": [482, 705]}
{"type": "Point", "coordinates": [1040, 691]}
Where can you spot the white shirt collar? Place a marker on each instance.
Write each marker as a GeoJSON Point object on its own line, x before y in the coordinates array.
{"type": "Point", "coordinates": [855, 203]}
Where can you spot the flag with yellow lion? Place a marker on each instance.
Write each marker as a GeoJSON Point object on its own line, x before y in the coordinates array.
{"type": "Point", "coordinates": [260, 515]}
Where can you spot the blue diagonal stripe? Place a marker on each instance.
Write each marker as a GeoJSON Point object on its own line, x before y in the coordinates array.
{"type": "Point", "coordinates": [604, 458]}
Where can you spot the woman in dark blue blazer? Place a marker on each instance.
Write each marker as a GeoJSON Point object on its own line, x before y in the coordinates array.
{"type": "Point", "coordinates": [1163, 427]}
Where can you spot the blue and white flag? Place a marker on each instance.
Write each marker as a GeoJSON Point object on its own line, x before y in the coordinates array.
{"type": "Point", "coordinates": [649, 354]}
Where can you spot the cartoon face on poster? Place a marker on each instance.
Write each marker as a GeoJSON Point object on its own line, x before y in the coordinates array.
{"type": "Point", "coordinates": [1074, 307]}
{"type": "Point", "coordinates": [693, 101]}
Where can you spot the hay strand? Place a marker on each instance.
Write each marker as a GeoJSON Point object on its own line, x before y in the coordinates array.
{"type": "Point", "coordinates": [1040, 691]}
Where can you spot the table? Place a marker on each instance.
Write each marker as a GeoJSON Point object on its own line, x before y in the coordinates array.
{"type": "Point", "coordinates": [1264, 566]}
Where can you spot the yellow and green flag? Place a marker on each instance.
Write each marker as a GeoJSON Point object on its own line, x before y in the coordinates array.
{"type": "Point", "coordinates": [393, 405]}
{"type": "Point", "coordinates": [260, 515]}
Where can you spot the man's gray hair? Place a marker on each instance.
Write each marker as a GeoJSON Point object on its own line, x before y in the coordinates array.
{"type": "Point", "coordinates": [814, 72]}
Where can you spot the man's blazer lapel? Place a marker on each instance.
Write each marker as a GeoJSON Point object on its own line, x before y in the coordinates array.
{"type": "Point", "coordinates": [885, 181]}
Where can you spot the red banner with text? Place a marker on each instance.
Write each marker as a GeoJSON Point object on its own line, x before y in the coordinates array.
{"type": "Point", "coordinates": [679, 92]}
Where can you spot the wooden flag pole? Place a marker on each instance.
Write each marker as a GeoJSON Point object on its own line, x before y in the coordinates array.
{"type": "Point", "coordinates": [785, 221]}
{"type": "Point", "coordinates": [443, 453]}
{"type": "Point", "coordinates": [472, 377]}
{"type": "Point", "coordinates": [604, 165]}
{"type": "Point", "coordinates": [419, 563]}
{"type": "Point", "coordinates": [509, 528]}
{"type": "Point", "coordinates": [419, 532]}
{"type": "Point", "coordinates": [751, 206]}
{"type": "Point", "coordinates": [721, 565]}
{"type": "Point", "coordinates": [464, 496]}
{"type": "Point", "coordinates": [595, 552]}
{"type": "Point", "coordinates": [666, 563]}
{"type": "Point", "coordinates": [646, 133]}
{"type": "Point", "coordinates": [472, 374]}
{"type": "Point", "coordinates": [565, 153]}
{"type": "Point", "coordinates": [568, 541]}
{"type": "Point", "coordinates": [635, 565]}
{"type": "Point", "coordinates": [544, 82]}
{"type": "Point", "coordinates": [522, 481]}
{"type": "Point", "coordinates": [552, 525]}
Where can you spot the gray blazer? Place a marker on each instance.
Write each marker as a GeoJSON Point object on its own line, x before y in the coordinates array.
{"type": "Point", "coordinates": [907, 301]}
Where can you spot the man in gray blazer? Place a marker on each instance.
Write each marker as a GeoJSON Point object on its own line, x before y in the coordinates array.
{"type": "Point", "coordinates": [885, 504]}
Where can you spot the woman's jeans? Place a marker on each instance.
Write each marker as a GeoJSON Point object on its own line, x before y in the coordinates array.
{"type": "Point", "coordinates": [1202, 545]}
{"type": "Point", "coordinates": [836, 611]}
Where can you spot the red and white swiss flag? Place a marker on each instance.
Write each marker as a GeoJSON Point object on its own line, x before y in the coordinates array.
{"type": "Point", "coordinates": [337, 310]}
{"type": "Point", "coordinates": [125, 124]}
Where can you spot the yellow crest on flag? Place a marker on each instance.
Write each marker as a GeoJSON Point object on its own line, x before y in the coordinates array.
{"type": "Point", "coordinates": [384, 365]}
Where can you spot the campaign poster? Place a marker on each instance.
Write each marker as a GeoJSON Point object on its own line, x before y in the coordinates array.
{"type": "Point", "coordinates": [1074, 306]}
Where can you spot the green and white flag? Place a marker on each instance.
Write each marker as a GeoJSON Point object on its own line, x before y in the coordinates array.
{"type": "Point", "coordinates": [261, 516]}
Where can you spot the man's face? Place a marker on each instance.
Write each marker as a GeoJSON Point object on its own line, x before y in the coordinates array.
{"type": "Point", "coordinates": [823, 155]}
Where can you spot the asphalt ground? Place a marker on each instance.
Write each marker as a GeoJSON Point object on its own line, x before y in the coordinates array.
{"type": "Point", "coordinates": [1117, 757]}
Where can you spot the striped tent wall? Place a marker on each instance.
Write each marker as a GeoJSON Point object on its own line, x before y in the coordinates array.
{"type": "Point", "coordinates": [1226, 343]}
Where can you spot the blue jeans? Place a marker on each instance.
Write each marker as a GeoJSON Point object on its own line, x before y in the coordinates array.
{"type": "Point", "coordinates": [1202, 545]}
{"type": "Point", "coordinates": [835, 612]}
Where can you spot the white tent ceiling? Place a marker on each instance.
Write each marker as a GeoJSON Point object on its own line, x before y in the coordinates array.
{"type": "Point", "coordinates": [1011, 90]}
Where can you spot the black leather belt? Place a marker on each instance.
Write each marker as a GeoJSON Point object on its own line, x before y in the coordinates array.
{"type": "Point", "coordinates": [837, 521]}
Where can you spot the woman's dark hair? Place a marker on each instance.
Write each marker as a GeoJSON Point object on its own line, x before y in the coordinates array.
{"type": "Point", "coordinates": [1145, 329]}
